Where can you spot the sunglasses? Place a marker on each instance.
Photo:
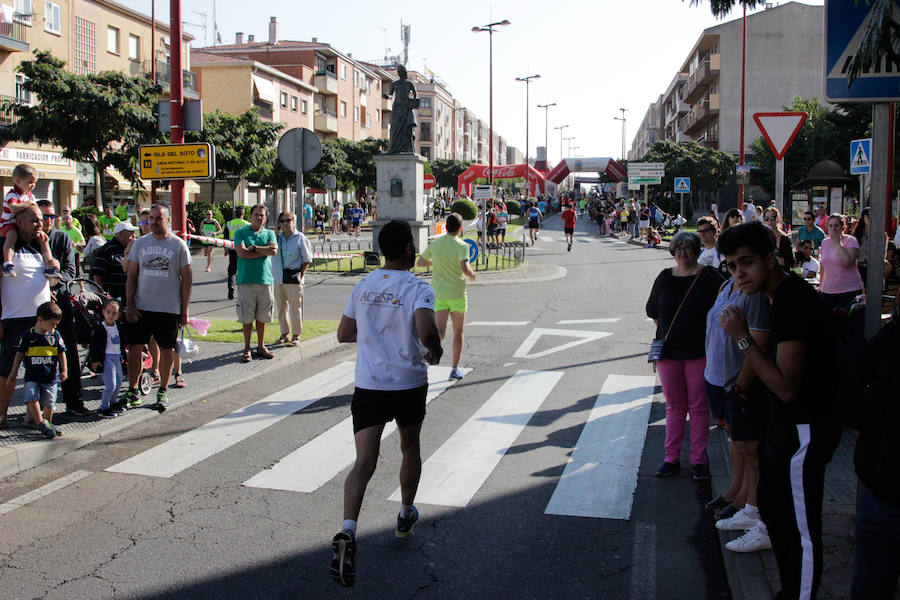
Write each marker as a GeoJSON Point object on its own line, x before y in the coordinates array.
{"type": "Point", "coordinates": [49, 217]}
{"type": "Point", "coordinates": [285, 220]}
{"type": "Point", "coordinates": [143, 223]}
{"type": "Point", "coordinates": [704, 230]}
{"type": "Point", "coordinates": [807, 218]}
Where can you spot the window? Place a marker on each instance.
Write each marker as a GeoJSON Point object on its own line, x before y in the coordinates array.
{"type": "Point", "coordinates": [368, 120]}
{"type": "Point", "coordinates": [320, 64]}
{"type": "Point", "coordinates": [377, 115]}
{"type": "Point", "coordinates": [425, 151]}
{"type": "Point", "coordinates": [284, 99]}
{"type": "Point", "coordinates": [425, 131]}
{"type": "Point", "coordinates": [22, 11]}
{"type": "Point", "coordinates": [294, 103]}
{"type": "Point", "coordinates": [112, 40]}
{"type": "Point", "coordinates": [343, 109]}
{"type": "Point", "coordinates": [134, 47]}
{"type": "Point", "coordinates": [425, 103]}
{"type": "Point", "coordinates": [355, 78]}
{"type": "Point", "coordinates": [304, 107]}
{"type": "Point", "coordinates": [343, 71]}
{"type": "Point", "coordinates": [51, 18]}
{"type": "Point", "coordinates": [22, 96]}
{"type": "Point", "coordinates": [356, 114]}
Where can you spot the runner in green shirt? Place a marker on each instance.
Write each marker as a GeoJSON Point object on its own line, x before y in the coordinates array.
{"type": "Point", "coordinates": [107, 222]}
{"type": "Point", "coordinates": [210, 228]}
{"type": "Point", "coordinates": [68, 226]}
{"type": "Point", "coordinates": [449, 255]}
{"type": "Point", "coordinates": [122, 210]}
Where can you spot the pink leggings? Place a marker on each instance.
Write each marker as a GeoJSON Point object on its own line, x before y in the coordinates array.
{"type": "Point", "coordinates": [685, 392]}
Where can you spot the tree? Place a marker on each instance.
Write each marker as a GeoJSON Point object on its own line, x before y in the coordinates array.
{"type": "Point", "coordinates": [708, 168]}
{"type": "Point", "coordinates": [334, 162]}
{"type": "Point", "coordinates": [100, 118]}
{"type": "Point", "coordinates": [446, 171]}
{"type": "Point", "coordinates": [245, 144]}
{"type": "Point", "coordinates": [360, 158]}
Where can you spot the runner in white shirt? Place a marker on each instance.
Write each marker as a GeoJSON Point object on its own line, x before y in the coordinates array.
{"type": "Point", "coordinates": [390, 315]}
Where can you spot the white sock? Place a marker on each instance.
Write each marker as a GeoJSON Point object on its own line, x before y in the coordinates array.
{"type": "Point", "coordinates": [349, 525]}
{"type": "Point", "coordinates": [751, 511]}
{"type": "Point", "coordinates": [405, 511]}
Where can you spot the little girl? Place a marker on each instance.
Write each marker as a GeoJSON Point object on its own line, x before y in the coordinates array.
{"type": "Point", "coordinates": [653, 238]}
{"type": "Point", "coordinates": [106, 352]}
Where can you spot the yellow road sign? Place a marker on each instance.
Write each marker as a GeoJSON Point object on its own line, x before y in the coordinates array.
{"type": "Point", "coordinates": [178, 161]}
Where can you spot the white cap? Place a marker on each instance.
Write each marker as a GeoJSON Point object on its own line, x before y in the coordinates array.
{"type": "Point", "coordinates": [124, 226]}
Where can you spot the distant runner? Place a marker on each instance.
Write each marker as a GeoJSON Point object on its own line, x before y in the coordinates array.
{"type": "Point", "coordinates": [534, 221]}
{"type": "Point", "coordinates": [569, 217]}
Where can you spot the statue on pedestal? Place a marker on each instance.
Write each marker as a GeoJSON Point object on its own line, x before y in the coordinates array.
{"type": "Point", "coordinates": [403, 123]}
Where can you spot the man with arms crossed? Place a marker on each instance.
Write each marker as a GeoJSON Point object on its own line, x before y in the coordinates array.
{"type": "Point", "coordinates": [390, 315]}
{"type": "Point", "coordinates": [255, 247]}
{"type": "Point", "coordinates": [450, 257]}
{"type": "Point", "coordinates": [802, 431]}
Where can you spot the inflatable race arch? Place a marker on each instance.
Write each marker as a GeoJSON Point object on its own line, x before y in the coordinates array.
{"type": "Point", "coordinates": [611, 168]}
{"type": "Point", "coordinates": [534, 177]}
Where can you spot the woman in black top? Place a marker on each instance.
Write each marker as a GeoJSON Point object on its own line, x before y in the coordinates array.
{"type": "Point", "coordinates": [684, 358]}
{"type": "Point", "coordinates": [784, 252]}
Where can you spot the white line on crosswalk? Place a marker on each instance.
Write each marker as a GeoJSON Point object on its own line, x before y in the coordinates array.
{"type": "Point", "coordinates": [587, 321]}
{"type": "Point", "coordinates": [497, 323]}
{"type": "Point", "coordinates": [186, 450]}
{"type": "Point", "coordinates": [601, 476]}
{"type": "Point", "coordinates": [536, 333]}
{"type": "Point", "coordinates": [315, 463]}
{"type": "Point", "coordinates": [42, 491]}
{"type": "Point", "coordinates": [458, 469]}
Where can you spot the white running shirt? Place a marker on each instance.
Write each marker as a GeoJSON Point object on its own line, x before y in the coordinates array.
{"type": "Point", "coordinates": [390, 355]}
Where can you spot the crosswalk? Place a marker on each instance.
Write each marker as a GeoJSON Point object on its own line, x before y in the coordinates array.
{"type": "Point", "coordinates": [599, 479]}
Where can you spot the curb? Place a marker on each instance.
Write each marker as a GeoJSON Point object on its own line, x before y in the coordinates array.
{"type": "Point", "coordinates": [16, 458]}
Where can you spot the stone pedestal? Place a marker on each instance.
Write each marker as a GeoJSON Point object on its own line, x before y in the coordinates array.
{"type": "Point", "coordinates": [400, 195]}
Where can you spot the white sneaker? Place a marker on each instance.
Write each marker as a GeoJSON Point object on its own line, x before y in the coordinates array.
{"type": "Point", "coordinates": [753, 540]}
{"type": "Point", "coordinates": [739, 522]}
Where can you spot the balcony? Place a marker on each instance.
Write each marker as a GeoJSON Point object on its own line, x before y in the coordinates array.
{"type": "Point", "coordinates": [327, 83]}
{"type": "Point", "coordinates": [326, 121]}
{"type": "Point", "coordinates": [709, 142]}
{"type": "Point", "coordinates": [705, 74]}
{"type": "Point", "coordinates": [703, 113]}
{"type": "Point", "coordinates": [12, 37]}
{"type": "Point", "coordinates": [189, 78]}
{"type": "Point", "coordinates": [711, 70]}
{"type": "Point", "coordinates": [7, 117]}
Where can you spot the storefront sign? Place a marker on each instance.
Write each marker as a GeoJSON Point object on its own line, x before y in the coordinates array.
{"type": "Point", "coordinates": [26, 155]}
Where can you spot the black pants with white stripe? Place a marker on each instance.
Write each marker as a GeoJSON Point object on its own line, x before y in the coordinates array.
{"type": "Point", "coordinates": [792, 460]}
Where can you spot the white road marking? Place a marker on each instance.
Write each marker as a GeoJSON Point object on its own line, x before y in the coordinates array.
{"type": "Point", "coordinates": [601, 476]}
{"type": "Point", "coordinates": [188, 449]}
{"type": "Point", "coordinates": [586, 239]}
{"type": "Point", "coordinates": [315, 463]}
{"type": "Point", "coordinates": [497, 323]}
{"type": "Point", "coordinates": [537, 332]}
{"type": "Point", "coordinates": [509, 364]}
{"type": "Point", "coordinates": [545, 238]}
{"type": "Point", "coordinates": [588, 321]}
{"type": "Point", "coordinates": [458, 469]}
{"type": "Point", "coordinates": [42, 491]}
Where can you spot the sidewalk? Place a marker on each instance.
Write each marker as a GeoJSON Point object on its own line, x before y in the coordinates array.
{"type": "Point", "coordinates": [216, 369]}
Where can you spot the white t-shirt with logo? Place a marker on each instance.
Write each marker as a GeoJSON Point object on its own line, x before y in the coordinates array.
{"type": "Point", "coordinates": [710, 257]}
{"type": "Point", "coordinates": [390, 355]}
{"type": "Point", "coordinates": [113, 340]}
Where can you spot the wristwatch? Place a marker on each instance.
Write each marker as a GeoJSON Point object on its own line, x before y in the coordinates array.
{"type": "Point", "coordinates": [744, 343]}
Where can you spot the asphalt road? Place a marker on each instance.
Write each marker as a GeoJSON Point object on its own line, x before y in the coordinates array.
{"type": "Point", "coordinates": [543, 391]}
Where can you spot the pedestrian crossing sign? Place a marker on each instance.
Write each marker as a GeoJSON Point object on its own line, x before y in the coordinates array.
{"type": "Point", "coordinates": [861, 156]}
{"type": "Point", "coordinates": [682, 185]}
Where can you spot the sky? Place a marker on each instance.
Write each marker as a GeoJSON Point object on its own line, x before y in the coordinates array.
{"type": "Point", "coordinates": [594, 56]}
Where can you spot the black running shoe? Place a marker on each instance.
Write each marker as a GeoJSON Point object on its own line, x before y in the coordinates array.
{"type": "Point", "coordinates": [405, 526]}
{"type": "Point", "coordinates": [343, 558]}
{"type": "Point", "coordinates": [668, 469]}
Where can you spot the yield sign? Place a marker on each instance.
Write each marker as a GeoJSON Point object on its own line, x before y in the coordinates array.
{"type": "Point", "coordinates": [780, 129]}
{"type": "Point", "coordinates": [536, 333]}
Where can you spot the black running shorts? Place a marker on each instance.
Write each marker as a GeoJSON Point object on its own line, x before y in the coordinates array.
{"type": "Point", "coordinates": [163, 327]}
{"type": "Point", "coordinates": [569, 230]}
{"type": "Point", "coordinates": [377, 407]}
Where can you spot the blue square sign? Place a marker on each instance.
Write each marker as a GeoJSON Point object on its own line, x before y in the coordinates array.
{"type": "Point", "coordinates": [861, 156]}
{"type": "Point", "coordinates": [845, 27]}
{"type": "Point", "coordinates": [682, 185]}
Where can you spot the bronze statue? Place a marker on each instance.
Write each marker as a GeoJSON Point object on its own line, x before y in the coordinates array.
{"type": "Point", "coordinates": [403, 123]}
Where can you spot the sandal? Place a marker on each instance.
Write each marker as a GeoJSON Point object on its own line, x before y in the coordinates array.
{"type": "Point", "coordinates": [295, 341]}
{"type": "Point", "coordinates": [282, 340]}
{"type": "Point", "coordinates": [154, 378]}
{"type": "Point", "coordinates": [246, 357]}
{"type": "Point", "coordinates": [263, 352]}
{"type": "Point", "coordinates": [179, 381]}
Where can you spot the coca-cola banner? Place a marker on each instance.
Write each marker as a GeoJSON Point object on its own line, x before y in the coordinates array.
{"type": "Point", "coordinates": [581, 165]}
{"type": "Point", "coordinates": [534, 177]}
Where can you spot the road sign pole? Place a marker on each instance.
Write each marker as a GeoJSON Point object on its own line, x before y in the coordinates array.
{"type": "Point", "coordinates": [881, 140]}
{"type": "Point", "coordinates": [862, 191]}
{"type": "Point", "coordinates": [176, 124]}
{"type": "Point", "coordinates": [779, 186]}
{"type": "Point", "coordinates": [681, 197]}
{"type": "Point", "coordinates": [298, 203]}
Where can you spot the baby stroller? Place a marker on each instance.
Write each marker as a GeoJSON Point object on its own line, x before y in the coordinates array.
{"type": "Point", "coordinates": [87, 299]}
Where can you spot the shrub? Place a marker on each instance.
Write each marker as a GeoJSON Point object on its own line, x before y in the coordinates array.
{"type": "Point", "coordinates": [227, 211]}
{"type": "Point", "coordinates": [465, 207]}
{"type": "Point", "coordinates": [79, 212]}
{"type": "Point", "coordinates": [513, 207]}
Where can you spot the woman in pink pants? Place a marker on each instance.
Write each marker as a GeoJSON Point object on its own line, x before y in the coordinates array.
{"type": "Point", "coordinates": [680, 298]}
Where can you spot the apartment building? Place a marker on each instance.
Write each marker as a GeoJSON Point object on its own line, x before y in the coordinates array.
{"type": "Point", "coordinates": [347, 99]}
{"type": "Point", "coordinates": [703, 101]}
{"type": "Point", "coordinates": [648, 132]}
{"type": "Point", "coordinates": [90, 36]}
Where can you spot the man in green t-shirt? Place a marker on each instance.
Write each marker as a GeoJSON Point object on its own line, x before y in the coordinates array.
{"type": "Point", "coordinates": [255, 246]}
{"type": "Point", "coordinates": [122, 210]}
{"type": "Point", "coordinates": [209, 228]}
{"type": "Point", "coordinates": [107, 223]}
{"type": "Point", "coordinates": [231, 228]}
{"type": "Point", "coordinates": [449, 256]}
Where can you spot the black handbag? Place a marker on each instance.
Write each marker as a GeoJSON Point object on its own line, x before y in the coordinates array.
{"type": "Point", "coordinates": [657, 345]}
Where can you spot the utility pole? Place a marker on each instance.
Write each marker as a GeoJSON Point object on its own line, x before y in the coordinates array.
{"type": "Point", "coordinates": [622, 118]}
{"type": "Point", "coordinates": [546, 108]}
{"type": "Point", "coordinates": [561, 127]}
{"type": "Point", "coordinates": [527, 81]}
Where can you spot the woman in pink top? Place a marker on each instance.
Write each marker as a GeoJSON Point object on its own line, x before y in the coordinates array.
{"type": "Point", "coordinates": [839, 281]}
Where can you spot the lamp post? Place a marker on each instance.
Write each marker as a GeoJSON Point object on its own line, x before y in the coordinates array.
{"type": "Point", "coordinates": [561, 127]}
{"type": "Point", "coordinates": [546, 108]}
{"type": "Point", "coordinates": [490, 29]}
{"type": "Point", "coordinates": [569, 153]}
{"type": "Point", "coordinates": [527, 81]}
{"type": "Point", "coordinates": [622, 118]}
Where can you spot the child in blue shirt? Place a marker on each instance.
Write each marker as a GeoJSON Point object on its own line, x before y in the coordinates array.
{"type": "Point", "coordinates": [43, 354]}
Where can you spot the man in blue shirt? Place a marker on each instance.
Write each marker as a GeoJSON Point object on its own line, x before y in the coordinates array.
{"type": "Point", "coordinates": [810, 231]}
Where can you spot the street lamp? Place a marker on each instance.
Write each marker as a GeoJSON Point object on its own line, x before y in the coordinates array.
{"type": "Point", "coordinates": [561, 127]}
{"type": "Point", "coordinates": [568, 153]}
{"type": "Point", "coordinates": [490, 29]}
{"type": "Point", "coordinates": [527, 81]}
{"type": "Point", "coordinates": [546, 108]}
{"type": "Point", "coordinates": [622, 118]}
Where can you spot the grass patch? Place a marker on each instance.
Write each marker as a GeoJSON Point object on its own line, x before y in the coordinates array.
{"type": "Point", "coordinates": [226, 330]}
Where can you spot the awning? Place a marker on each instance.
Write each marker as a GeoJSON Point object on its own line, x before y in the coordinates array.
{"type": "Point", "coordinates": [264, 89]}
